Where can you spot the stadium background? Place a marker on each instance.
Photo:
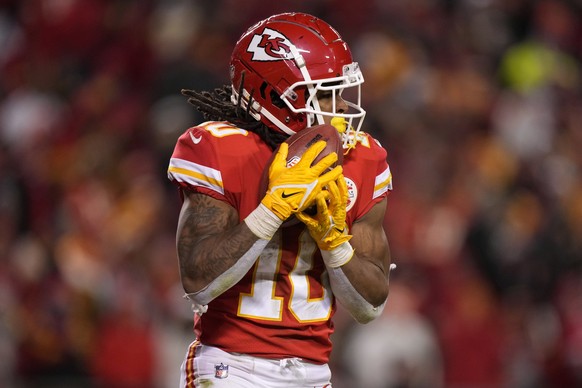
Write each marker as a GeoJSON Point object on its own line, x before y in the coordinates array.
{"type": "Point", "coordinates": [479, 103]}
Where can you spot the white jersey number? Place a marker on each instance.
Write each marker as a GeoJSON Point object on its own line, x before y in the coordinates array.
{"type": "Point", "coordinates": [261, 302]}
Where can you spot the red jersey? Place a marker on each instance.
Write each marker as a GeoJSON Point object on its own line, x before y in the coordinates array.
{"type": "Point", "coordinates": [283, 306]}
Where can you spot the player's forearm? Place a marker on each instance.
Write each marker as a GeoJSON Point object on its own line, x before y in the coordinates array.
{"type": "Point", "coordinates": [204, 260]}
{"type": "Point", "coordinates": [369, 280]}
{"type": "Point", "coordinates": [215, 250]}
{"type": "Point", "coordinates": [361, 284]}
{"type": "Point", "coordinates": [360, 289]}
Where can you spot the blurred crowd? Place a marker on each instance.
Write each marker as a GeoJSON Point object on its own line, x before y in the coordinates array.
{"type": "Point", "coordinates": [478, 102]}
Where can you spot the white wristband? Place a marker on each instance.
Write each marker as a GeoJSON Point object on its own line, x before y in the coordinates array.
{"type": "Point", "coordinates": [338, 256]}
{"type": "Point", "coordinates": [263, 222]}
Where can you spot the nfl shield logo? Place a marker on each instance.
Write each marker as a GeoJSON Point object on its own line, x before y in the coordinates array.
{"type": "Point", "coordinates": [221, 371]}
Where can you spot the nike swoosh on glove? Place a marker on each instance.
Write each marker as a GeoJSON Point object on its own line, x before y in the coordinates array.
{"type": "Point", "coordinates": [293, 189]}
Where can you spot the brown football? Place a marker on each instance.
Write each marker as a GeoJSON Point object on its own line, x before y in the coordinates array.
{"type": "Point", "coordinates": [298, 144]}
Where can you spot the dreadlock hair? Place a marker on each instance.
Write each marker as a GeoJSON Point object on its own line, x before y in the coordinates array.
{"type": "Point", "coordinates": [216, 105]}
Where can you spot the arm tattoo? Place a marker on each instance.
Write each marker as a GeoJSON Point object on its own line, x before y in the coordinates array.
{"type": "Point", "coordinates": [210, 239]}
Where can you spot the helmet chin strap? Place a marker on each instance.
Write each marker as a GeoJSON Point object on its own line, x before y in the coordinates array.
{"type": "Point", "coordinates": [277, 122]}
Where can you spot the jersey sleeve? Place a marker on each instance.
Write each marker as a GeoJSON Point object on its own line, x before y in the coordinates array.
{"type": "Point", "coordinates": [195, 164]}
{"type": "Point", "coordinates": [368, 176]}
{"type": "Point", "coordinates": [223, 161]}
{"type": "Point", "coordinates": [383, 179]}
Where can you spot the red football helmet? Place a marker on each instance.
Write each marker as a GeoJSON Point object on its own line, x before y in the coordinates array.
{"type": "Point", "coordinates": [286, 60]}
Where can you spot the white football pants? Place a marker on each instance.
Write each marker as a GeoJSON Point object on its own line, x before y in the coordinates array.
{"type": "Point", "coordinates": [207, 366]}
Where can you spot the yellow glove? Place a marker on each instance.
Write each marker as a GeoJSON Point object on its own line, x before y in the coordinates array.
{"type": "Point", "coordinates": [328, 226]}
{"type": "Point", "coordinates": [293, 189]}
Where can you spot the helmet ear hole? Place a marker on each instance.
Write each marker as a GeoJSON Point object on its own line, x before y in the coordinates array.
{"type": "Point", "coordinates": [276, 100]}
{"type": "Point", "coordinates": [262, 90]}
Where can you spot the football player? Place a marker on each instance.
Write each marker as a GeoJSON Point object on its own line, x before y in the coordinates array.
{"type": "Point", "coordinates": [264, 293]}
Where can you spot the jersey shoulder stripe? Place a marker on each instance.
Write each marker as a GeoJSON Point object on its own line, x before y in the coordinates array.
{"type": "Point", "coordinates": [195, 174]}
{"type": "Point", "coordinates": [383, 183]}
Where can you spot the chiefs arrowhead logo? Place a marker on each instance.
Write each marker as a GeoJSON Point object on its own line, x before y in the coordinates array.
{"type": "Point", "coordinates": [270, 45]}
{"type": "Point", "coordinates": [352, 193]}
